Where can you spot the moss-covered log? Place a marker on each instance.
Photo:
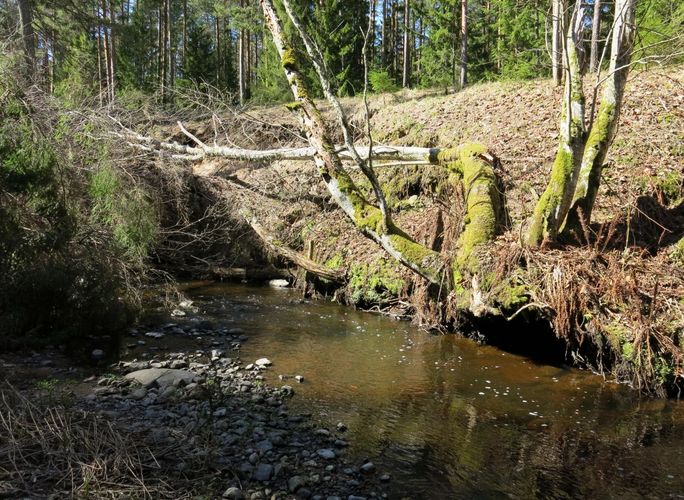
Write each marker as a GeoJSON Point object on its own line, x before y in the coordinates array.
{"type": "Point", "coordinates": [484, 216]}
{"type": "Point", "coordinates": [554, 203]}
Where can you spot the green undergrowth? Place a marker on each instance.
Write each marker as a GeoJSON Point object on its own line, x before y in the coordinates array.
{"type": "Point", "coordinates": [74, 231]}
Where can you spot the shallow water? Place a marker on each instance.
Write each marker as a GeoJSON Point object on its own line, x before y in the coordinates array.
{"type": "Point", "coordinates": [451, 419]}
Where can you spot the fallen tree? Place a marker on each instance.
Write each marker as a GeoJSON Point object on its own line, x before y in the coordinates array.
{"type": "Point", "coordinates": [478, 278]}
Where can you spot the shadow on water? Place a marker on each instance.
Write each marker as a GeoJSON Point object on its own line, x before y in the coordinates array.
{"type": "Point", "coordinates": [448, 418]}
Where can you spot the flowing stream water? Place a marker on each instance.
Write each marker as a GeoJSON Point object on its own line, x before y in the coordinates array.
{"type": "Point", "coordinates": [448, 418]}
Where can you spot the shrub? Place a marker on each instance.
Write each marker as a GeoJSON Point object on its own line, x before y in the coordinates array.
{"type": "Point", "coordinates": [380, 81]}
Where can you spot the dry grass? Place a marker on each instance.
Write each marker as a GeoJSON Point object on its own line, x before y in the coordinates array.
{"type": "Point", "coordinates": [51, 449]}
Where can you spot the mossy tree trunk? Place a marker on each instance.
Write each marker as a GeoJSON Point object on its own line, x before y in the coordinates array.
{"type": "Point", "coordinates": [554, 203]}
{"type": "Point", "coordinates": [484, 217]}
{"type": "Point", "coordinates": [604, 126]}
{"type": "Point", "coordinates": [365, 216]}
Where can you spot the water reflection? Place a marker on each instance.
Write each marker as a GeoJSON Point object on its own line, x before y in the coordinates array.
{"type": "Point", "coordinates": [450, 419]}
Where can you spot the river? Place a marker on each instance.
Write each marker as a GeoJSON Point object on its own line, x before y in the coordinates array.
{"type": "Point", "coordinates": [448, 418]}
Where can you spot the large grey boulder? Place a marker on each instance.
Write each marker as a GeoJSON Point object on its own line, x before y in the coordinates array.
{"type": "Point", "coordinates": [161, 377]}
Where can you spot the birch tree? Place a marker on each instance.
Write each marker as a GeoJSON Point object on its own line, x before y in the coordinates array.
{"type": "Point", "coordinates": [575, 176]}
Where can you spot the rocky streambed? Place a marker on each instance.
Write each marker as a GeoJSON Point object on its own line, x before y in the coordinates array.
{"type": "Point", "coordinates": [210, 421]}
{"type": "Point", "coordinates": [219, 407]}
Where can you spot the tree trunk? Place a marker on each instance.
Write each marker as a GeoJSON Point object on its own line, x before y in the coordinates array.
{"type": "Point", "coordinates": [384, 35]}
{"type": "Point", "coordinates": [112, 52]}
{"type": "Point", "coordinates": [407, 54]}
{"type": "Point", "coordinates": [554, 204]}
{"type": "Point", "coordinates": [557, 29]}
{"type": "Point", "coordinates": [219, 55]}
{"type": "Point", "coordinates": [185, 36]}
{"type": "Point", "coordinates": [464, 43]}
{"type": "Point", "coordinates": [241, 65]}
{"type": "Point", "coordinates": [604, 126]}
{"type": "Point", "coordinates": [100, 50]}
{"type": "Point", "coordinates": [305, 262]}
{"type": "Point", "coordinates": [161, 58]}
{"type": "Point", "coordinates": [28, 37]}
{"type": "Point", "coordinates": [168, 49]}
{"type": "Point", "coordinates": [595, 31]}
{"type": "Point", "coordinates": [107, 47]}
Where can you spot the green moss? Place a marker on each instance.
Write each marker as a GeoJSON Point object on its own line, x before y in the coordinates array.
{"type": "Point", "coordinates": [671, 187]}
{"type": "Point", "coordinates": [335, 262]}
{"type": "Point", "coordinates": [511, 297]}
{"type": "Point", "coordinates": [374, 283]}
{"type": "Point", "coordinates": [664, 370]}
{"type": "Point", "coordinates": [543, 224]}
{"type": "Point", "coordinates": [289, 59]}
{"type": "Point", "coordinates": [618, 337]}
{"type": "Point", "coordinates": [483, 206]}
{"type": "Point", "coordinates": [293, 106]}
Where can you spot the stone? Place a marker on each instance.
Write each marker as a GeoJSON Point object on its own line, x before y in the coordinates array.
{"type": "Point", "coordinates": [97, 355]}
{"type": "Point", "coordinates": [299, 378]}
{"type": "Point", "coordinates": [220, 412]}
{"type": "Point", "coordinates": [279, 283]}
{"type": "Point", "coordinates": [355, 497]}
{"type": "Point", "coordinates": [138, 394]}
{"type": "Point", "coordinates": [263, 472]}
{"type": "Point", "coordinates": [264, 446]}
{"type": "Point", "coordinates": [177, 364]}
{"type": "Point", "coordinates": [295, 483]}
{"type": "Point", "coordinates": [153, 335]}
{"type": "Point", "coordinates": [233, 493]}
{"type": "Point", "coordinates": [167, 393]}
{"type": "Point", "coordinates": [178, 313]}
{"type": "Point", "coordinates": [368, 467]}
{"type": "Point", "coordinates": [161, 377]}
{"type": "Point", "coordinates": [341, 427]}
{"type": "Point", "coordinates": [326, 453]}
{"type": "Point", "coordinates": [385, 478]}
{"type": "Point", "coordinates": [261, 362]}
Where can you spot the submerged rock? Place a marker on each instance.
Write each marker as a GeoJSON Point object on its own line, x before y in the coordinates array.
{"type": "Point", "coordinates": [295, 483]}
{"type": "Point", "coordinates": [97, 355]}
{"type": "Point", "coordinates": [279, 283]}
